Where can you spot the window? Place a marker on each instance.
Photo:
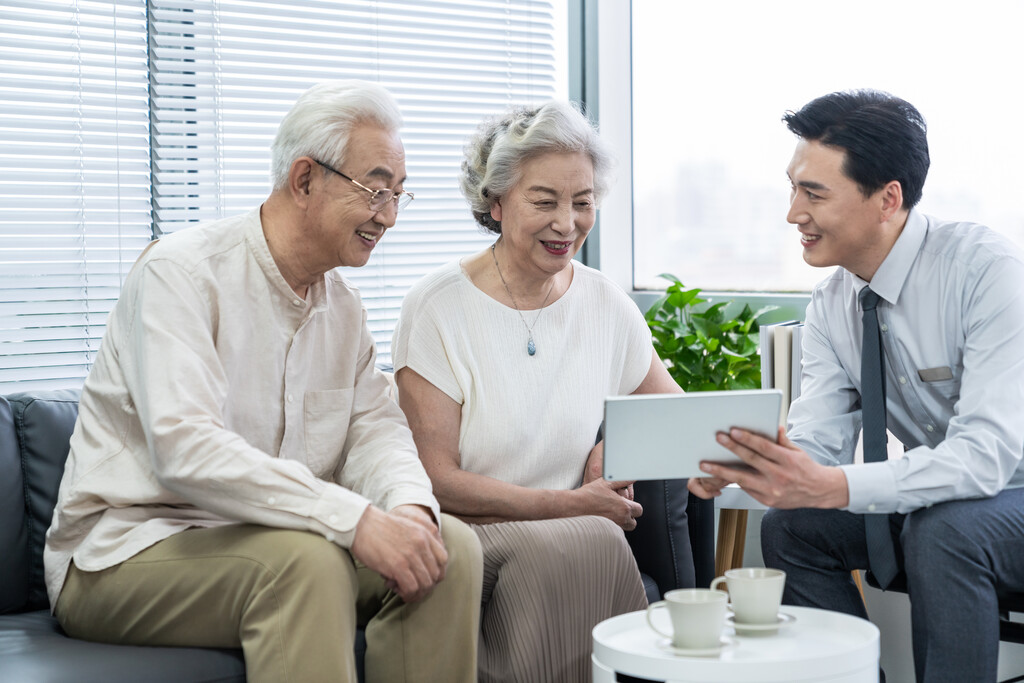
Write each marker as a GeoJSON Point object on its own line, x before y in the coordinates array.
{"type": "Point", "coordinates": [203, 111]}
{"type": "Point", "coordinates": [74, 179]}
{"type": "Point", "coordinates": [710, 82]}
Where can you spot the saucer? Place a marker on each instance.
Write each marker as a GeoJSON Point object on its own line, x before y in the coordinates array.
{"type": "Point", "coordinates": [756, 629]}
{"type": "Point", "coordinates": [724, 644]}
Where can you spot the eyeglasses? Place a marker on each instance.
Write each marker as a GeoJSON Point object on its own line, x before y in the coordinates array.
{"type": "Point", "coordinates": [378, 198]}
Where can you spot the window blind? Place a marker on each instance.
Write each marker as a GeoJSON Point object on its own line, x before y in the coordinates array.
{"type": "Point", "coordinates": [120, 120]}
{"type": "Point", "coordinates": [225, 72]}
{"type": "Point", "coordinates": [74, 179]}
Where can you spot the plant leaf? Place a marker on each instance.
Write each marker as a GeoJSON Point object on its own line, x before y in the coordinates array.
{"type": "Point", "coordinates": [672, 278]}
{"type": "Point", "coordinates": [764, 309]}
{"type": "Point", "coordinates": [705, 348]}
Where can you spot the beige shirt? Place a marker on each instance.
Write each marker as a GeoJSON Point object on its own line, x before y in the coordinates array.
{"type": "Point", "coordinates": [218, 396]}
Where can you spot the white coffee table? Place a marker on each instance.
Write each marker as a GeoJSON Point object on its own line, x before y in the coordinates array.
{"type": "Point", "coordinates": [817, 646]}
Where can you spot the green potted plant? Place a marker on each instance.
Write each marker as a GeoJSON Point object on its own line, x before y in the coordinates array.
{"type": "Point", "coordinates": [706, 348]}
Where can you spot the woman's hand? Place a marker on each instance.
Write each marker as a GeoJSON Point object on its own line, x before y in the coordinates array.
{"type": "Point", "coordinates": [593, 470]}
{"type": "Point", "coordinates": [607, 499]}
{"type": "Point", "coordinates": [706, 487]}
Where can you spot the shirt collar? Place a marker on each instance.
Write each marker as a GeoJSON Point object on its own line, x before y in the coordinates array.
{"type": "Point", "coordinates": [890, 277]}
{"type": "Point", "coordinates": [315, 298]}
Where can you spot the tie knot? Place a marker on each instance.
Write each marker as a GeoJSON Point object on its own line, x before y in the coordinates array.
{"type": "Point", "coordinates": [868, 299]}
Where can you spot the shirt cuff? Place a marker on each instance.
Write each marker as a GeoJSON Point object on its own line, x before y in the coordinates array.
{"type": "Point", "coordinates": [872, 488]}
{"type": "Point", "coordinates": [414, 495]}
{"type": "Point", "coordinates": [338, 511]}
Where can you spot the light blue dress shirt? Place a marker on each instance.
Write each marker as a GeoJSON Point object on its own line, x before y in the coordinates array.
{"type": "Point", "coordinates": [952, 321]}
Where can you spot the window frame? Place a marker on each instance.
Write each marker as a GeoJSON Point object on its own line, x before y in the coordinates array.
{"type": "Point", "coordinates": [606, 52]}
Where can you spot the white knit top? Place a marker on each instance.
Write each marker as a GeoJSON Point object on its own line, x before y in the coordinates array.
{"type": "Point", "coordinates": [527, 420]}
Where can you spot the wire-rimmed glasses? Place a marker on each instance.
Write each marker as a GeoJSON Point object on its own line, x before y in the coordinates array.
{"type": "Point", "coordinates": [378, 198]}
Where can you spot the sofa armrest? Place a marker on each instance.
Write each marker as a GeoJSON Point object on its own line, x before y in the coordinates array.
{"type": "Point", "coordinates": [700, 516]}
{"type": "Point", "coordinates": [13, 527]}
{"type": "Point", "coordinates": [43, 423]}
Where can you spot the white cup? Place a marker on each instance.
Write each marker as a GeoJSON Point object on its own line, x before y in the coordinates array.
{"type": "Point", "coordinates": [755, 594]}
{"type": "Point", "coordinates": [697, 615]}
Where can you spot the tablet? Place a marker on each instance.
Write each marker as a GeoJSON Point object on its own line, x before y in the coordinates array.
{"type": "Point", "coordinates": [665, 436]}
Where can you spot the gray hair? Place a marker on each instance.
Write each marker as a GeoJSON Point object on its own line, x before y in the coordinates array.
{"type": "Point", "coordinates": [319, 123]}
{"type": "Point", "coordinates": [494, 156]}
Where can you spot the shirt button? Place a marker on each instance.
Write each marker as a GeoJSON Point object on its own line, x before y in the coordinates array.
{"type": "Point", "coordinates": [871, 508]}
{"type": "Point", "coordinates": [929, 428]}
{"type": "Point", "coordinates": [289, 398]}
{"type": "Point", "coordinates": [885, 328]}
{"type": "Point", "coordinates": [329, 536]}
{"type": "Point", "coordinates": [903, 380]}
{"type": "Point", "coordinates": [296, 303]}
{"type": "Point", "coordinates": [271, 500]}
{"type": "Point", "coordinates": [333, 519]}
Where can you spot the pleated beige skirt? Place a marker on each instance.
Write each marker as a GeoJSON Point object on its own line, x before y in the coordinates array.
{"type": "Point", "coordinates": [546, 585]}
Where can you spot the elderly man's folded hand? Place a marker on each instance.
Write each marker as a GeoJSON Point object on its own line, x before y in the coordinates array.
{"type": "Point", "coordinates": [406, 552]}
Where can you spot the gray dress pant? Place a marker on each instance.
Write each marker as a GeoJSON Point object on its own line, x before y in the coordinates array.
{"type": "Point", "coordinates": [955, 558]}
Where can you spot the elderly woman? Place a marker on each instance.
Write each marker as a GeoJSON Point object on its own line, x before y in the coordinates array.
{"type": "Point", "coordinates": [503, 361]}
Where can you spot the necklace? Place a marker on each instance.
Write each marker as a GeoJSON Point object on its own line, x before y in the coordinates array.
{"type": "Point", "coordinates": [531, 348]}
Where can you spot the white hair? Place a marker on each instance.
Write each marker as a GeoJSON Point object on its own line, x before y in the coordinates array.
{"type": "Point", "coordinates": [494, 156]}
{"type": "Point", "coordinates": [319, 123]}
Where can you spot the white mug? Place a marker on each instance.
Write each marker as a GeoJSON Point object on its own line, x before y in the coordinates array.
{"type": "Point", "coordinates": [755, 593]}
{"type": "Point", "coordinates": [697, 615]}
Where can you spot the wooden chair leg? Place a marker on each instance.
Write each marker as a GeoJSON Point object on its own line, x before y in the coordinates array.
{"type": "Point", "coordinates": [741, 539]}
{"type": "Point", "coordinates": [732, 532]}
{"type": "Point", "coordinates": [860, 585]}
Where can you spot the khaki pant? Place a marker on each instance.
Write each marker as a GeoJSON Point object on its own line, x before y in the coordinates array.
{"type": "Point", "coordinates": [290, 599]}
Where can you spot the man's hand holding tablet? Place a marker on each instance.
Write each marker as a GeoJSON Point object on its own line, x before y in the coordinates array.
{"type": "Point", "coordinates": [778, 475]}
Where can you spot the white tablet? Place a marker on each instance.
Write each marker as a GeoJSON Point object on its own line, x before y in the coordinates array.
{"type": "Point", "coordinates": [665, 436]}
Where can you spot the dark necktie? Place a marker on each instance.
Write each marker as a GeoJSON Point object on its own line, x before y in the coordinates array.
{"type": "Point", "coordinates": [881, 554]}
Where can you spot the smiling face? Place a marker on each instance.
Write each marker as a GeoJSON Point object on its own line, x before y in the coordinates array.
{"type": "Point", "coordinates": [547, 215]}
{"type": "Point", "coordinates": [838, 225]}
{"type": "Point", "coordinates": [343, 228]}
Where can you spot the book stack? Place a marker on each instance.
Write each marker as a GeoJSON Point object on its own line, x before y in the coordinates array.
{"type": "Point", "coordinates": [780, 361]}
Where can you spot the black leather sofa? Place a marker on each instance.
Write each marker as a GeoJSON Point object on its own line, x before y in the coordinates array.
{"type": "Point", "coordinates": [34, 432]}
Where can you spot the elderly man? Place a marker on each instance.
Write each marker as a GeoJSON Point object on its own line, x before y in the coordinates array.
{"type": "Point", "coordinates": [239, 476]}
{"type": "Point", "coordinates": [919, 329]}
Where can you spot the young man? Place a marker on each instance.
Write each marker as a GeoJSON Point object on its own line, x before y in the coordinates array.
{"type": "Point", "coordinates": [238, 476]}
{"type": "Point", "coordinates": [936, 306]}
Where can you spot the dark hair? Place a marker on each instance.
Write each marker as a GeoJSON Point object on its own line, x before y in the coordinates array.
{"type": "Point", "coordinates": [884, 137]}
